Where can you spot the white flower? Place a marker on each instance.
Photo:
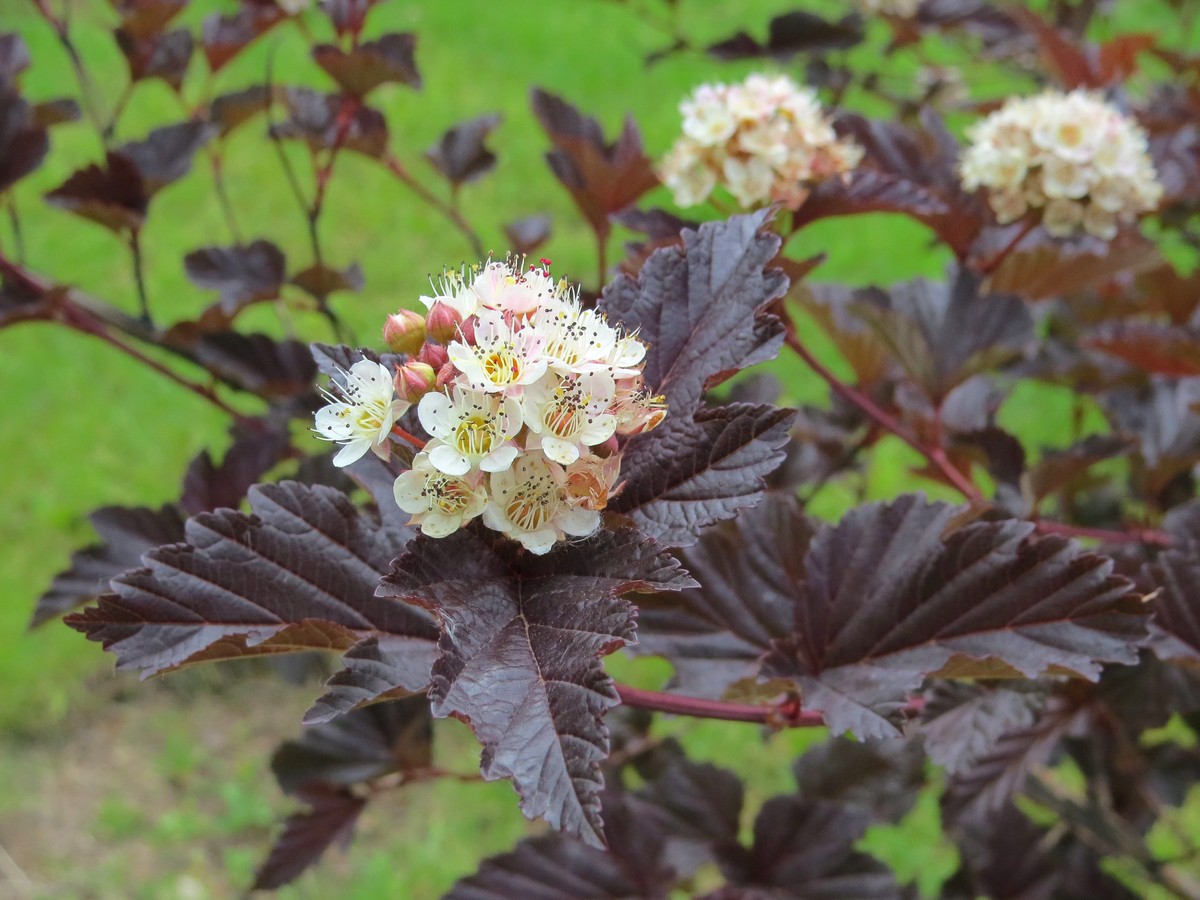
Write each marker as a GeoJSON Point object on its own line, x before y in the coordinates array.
{"type": "Point", "coordinates": [576, 339]}
{"type": "Point", "coordinates": [502, 286]}
{"type": "Point", "coordinates": [504, 358]}
{"type": "Point", "coordinates": [364, 418]}
{"type": "Point", "coordinates": [766, 140]}
{"type": "Point", "coordinates": [529, 503]}
{"type": "Point", "coordinates": [1073, 157]}
{"type": "Point", "coordinates": [439, 503]}
{"type": "Point", "coordinates": [635, 408]}
{"type": "Point", "coordinates": [455, 292]}
{"type": "Point", "coordinates": [471, 430]}
{"type": "Point", "coordinates": [566, 415]}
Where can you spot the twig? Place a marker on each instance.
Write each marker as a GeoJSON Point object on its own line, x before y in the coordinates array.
{"type": "Point", "coordinates": [91, 107]}
{"type": "Point", "coordinates": [994, 263]}
{"type": "Point", "coordinates": [935, 454]}
{"type": "Point", "coordinates": [405, 177]}
{"type": "Point", "coordinates": [785, 715]}
{"type": "Point", "coordinates": [14, 222]}
{"type": "Point", "coordinates": [411, 438]}
{"type": "Point", "coordinates": [80, 320]}
{"type": "Point", "coordinates": [135, 249]}
{"type": "Point", "coordinates": [216, 164]}
{"type": "Point", "coordinates": [601, 260]}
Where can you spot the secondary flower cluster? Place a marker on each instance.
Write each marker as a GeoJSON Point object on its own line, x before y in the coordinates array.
{"type": "Point", "coordinates": [766, 140]}
{"type": "Point", "coordinates": [1072, 156]}
{"type": "Point", "coordinates": [523, 393]}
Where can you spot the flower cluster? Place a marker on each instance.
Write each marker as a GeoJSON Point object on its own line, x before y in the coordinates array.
{"type": "Point", "coordinates": [766, 140]}
{"type": "Point", "coordinates": [1072, 156]}
{"type": "Point", "coordinates": [523, 393]}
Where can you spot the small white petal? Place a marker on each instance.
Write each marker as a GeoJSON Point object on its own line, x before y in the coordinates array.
{"type": "Point", "coordinates": [446, 459]}
{"type": "Point", "coordinates": [499, 459]}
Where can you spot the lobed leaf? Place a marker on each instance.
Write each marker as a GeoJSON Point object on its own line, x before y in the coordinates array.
{"type": "Point", "coordinates": [702, 307]}
{"type": "Point", "coordinates": [521, 642]}
{"type": "Point", "coordinates": [460, 154]}
{"type": "Point", "coordinates": [791, 33]}
{"type": "Point", "coordinates": [243, 274]}
{"type": "Point", "coordinates": [889, 599]}
{"type": "Point", "coordinates": [330, 819]}
{"type": "Point", "coordinates": [389, 59]}
{"type": "Point", "coordinates": [603, 178]}
{"type": "Point", "coordinates": [298, 574]}
{"type": "Point", "coordinates": [805, 848]}
{"type": "Point", "coordinates": [224, 36]}
{"type": "Point", "coordinates": [396, 736]}
{"type": "Point", "coordinates": [527, 234]}
{"type": "Point", "coordinates": [112, 195]}
{"type": "Point", "coordinates": [125, 534]}
{"type": "Point", "coordinates": [258, 444]}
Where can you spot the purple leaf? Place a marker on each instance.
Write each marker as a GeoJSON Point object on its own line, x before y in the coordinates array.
{"type": "Point", "coordinates": [228, 111]}
{"type": "Point", "coordinates": [962, 723]}
{"type": "Point", "coordinates": [396, 736]}
{"type": "Point", "coordinates": [298, 574]}
{"type": "Point", "coordinates": [1175, 624]}
{"type": "Point", "coordinates": [880, 777]}
{"type": "Point", "coordinates": [164, 56]}
{"type": "Point", "coordinates": [23, 141]}
{"type": "Point", "coordinates": [258, 444]}
{"type": "Point", "coordinates": [791, 33]}
{"type": "Point", "coordinates": [274, 369]}
{"type": "Point", "coordinates": [112, 195]}
{"type": "Point", "coordinates": [604, 178]}
{"type": "Point", "coordinates": [890, 598]}
{"type": "Point", "coordinates": [684, 476]}
{"type": "Point", "coordinates": [165, 155]}
{"type": "Point", "coordinates": [318, 120]}
{"type": "Point", "coordinates": [460, 153]}
{"type": "Point", "coordinates": [225, 36]}
{"type": "Point", "coordinates": [330, 818]}
{"type": "Point", "coordinates": [527, 234]}
{"type": "Point", "coordinates": [702, 308]}
{"type": "Point", "coordinates": [521, 642]}
{"type": "Point", "coordinates": [386, 60]}
{"type": "Point", "coordinates": [943, 334]}
{"type": "Point", "coordinates": [750, 572]}
{"type": "Point", "coordinates": [804, 848]}
{"type": "Point", "coordinates": [243, 274]}
{"type": "Point", "coordinates": [125, 534]}
{"type": "Point", "coordinates": [552, 867]}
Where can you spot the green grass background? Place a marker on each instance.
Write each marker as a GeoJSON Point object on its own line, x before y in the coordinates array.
{"type": "Point", "coordinates": [162, 789]}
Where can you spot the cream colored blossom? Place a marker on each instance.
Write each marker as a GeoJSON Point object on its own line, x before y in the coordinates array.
{"type": "Point", "coordinates": [766, 140]}
{"type": "Point", "coordinates": [1073, 158]}
{"type": "Point", "coordinates": [361, 412]}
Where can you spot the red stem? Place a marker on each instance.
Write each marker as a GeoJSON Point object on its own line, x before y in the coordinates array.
{"type": "Point", "coordinates": [788, 714]}
{"type": "Point", "coordinates": [405, 177]}
{"type": "Point", "coordinates": [935, 454]}
{"type": "Point", "coordinates": [411, 438]}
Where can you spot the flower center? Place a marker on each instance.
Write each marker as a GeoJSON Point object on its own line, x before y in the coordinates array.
{"type": "Point", "coordinates": [502, 366]}
{"type": "Point", "coordinates": [476, 436]}
{"type": "Point", "coordinates": [450, 495]}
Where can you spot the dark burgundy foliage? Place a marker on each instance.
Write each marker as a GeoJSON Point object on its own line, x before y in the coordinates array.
{"type": "Point", "coordinates": [791, 33]}
{"type": "Point", "coordinates": [461, 156]}
{"type": "Point", "coordinates": [243, 274]}
{"type": "Point", "coordinates": [112, 195]}
{"type": "Point", "coordinates": [329, 819]}
{"type": "Point", "coordinates": [521, 641]}
{"type": "Point", "coordinates": [604, 178]}
{"type": "Point", "coordinates": [961, 652]}
{"type": "Point", "coordinates": [299, 574]}
{"type": "Point", "coordinates": [389, 59]}
{"type": "Point", "coordinates": [125, 534]}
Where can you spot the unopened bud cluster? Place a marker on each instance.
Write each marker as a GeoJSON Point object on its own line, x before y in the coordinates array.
{"type": "Point", "coordinates": [765, 140]}
{"type": "Point", "coordinates": [523, 393]}
{"type": "Point", "coordinates": [1073, 158]}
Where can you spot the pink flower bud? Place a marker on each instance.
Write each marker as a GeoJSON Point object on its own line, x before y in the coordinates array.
{"type": "Point", "coordinates": [404, 331]}
{"type": "Point", "coordinates": [446, 374]}
{"type": "Point", "coordinates": [434, 355]}
{"type": "Point", "coordinates": [442, 323]}
{"type": "Point", "coordinates": [414, 380]}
